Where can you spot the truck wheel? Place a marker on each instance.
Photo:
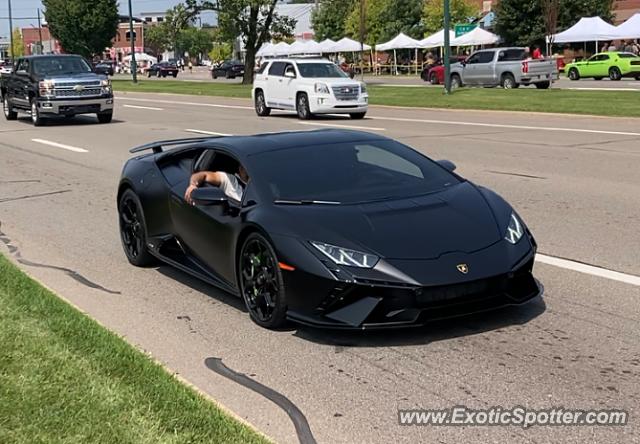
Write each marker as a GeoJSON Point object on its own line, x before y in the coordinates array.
{"type": "Point", "coordinates": [543, 85]}
{"type": "Point", "coordinates": [614, 73]}
{"type": "Point", "coordinates": [214, 75]}
{"type": "Point", "coordinates": [508, 81]}
{"type": "Point", "coordinates": [35, 114]}
{"type": "Point", "coordinates": [261, 105]}
{"type": "Point", "coordinates": [574, 74]}
{"type": "Point", "coordinates": [302, 106]}
{"type": "Point", "coordinates": [433, 78]}
{"type": "Point", "coordinates": [9, 113]}
{"type": "Point", "coordinates": [105, 117]}
{"type": "Point", "coordinates": [456, 82]}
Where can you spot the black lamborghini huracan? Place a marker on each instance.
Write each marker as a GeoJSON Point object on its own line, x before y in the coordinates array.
{"type": "Point", "coordinates": [336, 228]}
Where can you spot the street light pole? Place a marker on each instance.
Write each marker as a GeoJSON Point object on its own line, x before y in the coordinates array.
{"type": "Point", "coordinates": [134, 68]}
{"type": "Point", "coordinates": [11, 34]}
{"type": "Point", "coordinates": [40, 32]}
{"type": "Point", "coordinates": [447, 48]}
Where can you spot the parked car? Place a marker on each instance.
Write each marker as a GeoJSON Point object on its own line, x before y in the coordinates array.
{"type": "Point", "coordinates": [106, 67]}
{"type": "Point", "coordinates": [614, 65]}
{"type": "Point", "coordinates": [506, 67]}
{"type": "Point", "coordinates": [434, 74]}
{"type": "Point", "coordinates": [308, 86]}
{"type": "Point", "coordinates": [163, 69]}
{"type": "Point", "coordinates": [55, 85]}
{"type": "Point", "coordinates": [6, 67]}
{"type": "Point", "coordinates": [229, 69]}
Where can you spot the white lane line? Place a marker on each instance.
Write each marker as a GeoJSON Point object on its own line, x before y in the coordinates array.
{"type": "Point", "coordinates": [590, 88]}
{"type": "Point", "coordinates": [213, 133]}
{"type": "Point", "coordinates": [173, 102]}
{"type": "Point", "coordinates": [589, 269]}
{"type": "Point", "coordinates": [143, 107]}
{"type": "Point", "coordinates": [59, 145]}
{"type": "Point", "coordinates": [498, 125]}
{"type": "Point", "coordinates": [335, 125]}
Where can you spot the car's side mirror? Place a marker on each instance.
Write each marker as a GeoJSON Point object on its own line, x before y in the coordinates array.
{"type": "Point", "coordinates": [290, 74]}
{"type": "Point", "coordinates": [209, 196]}
{"type": "Point", "coordinates": [447, 164]}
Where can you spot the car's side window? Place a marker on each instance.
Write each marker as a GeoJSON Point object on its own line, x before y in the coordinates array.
{"type": "Point", "coordinates": [277, 69]}
{"type": "Point", "coordinates": [373, 155]}
{"type": "Point", "coordinates": [485, 57]}
{"type": "Point", "coordinates": [290, 69]}
{"type": "Point", "coordinates": [263, 66]}
{"type": "Point", "coordinates": [473, 59]}
{"type": "Point", "coordinates": [23, 65]}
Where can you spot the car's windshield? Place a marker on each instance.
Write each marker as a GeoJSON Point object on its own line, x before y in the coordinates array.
{"type": "Point", "coordinates": [350, 172]}
{"type": "Point", "coordinates": [59, 65]}
{"type": "Point", "coordinates": [320, 70]}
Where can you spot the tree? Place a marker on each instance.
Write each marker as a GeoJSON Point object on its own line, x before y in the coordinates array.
{"type": "Point", "coordinates": [221, 51]}
{"type": "Point", "coordinates": [403, 16]}
{"type": "Point", "coordinates": [84, 27]}
{"type": "Point", "coordinates": [195, 41]}
{"type": "Point", "coordinates": [433, 13]}
{"type": "Point", "coordinates": [17, 50]}
{"type": "Point", "coordinates": [550, 10]}
{"type": "Point", "coordinates": [156, 39]}
{"type": "Point", "coordinates": [521, 22]}
{"type": "Point", "coordinates": [328, 19]}
{"type": "Point", "coordinates": [374, 21]}
{"type": "Point", "coordinates": [178, 18]}
{"type": "Point", "coordinates": [256, 21]}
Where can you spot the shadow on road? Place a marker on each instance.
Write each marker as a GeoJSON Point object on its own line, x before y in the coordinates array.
{"type": "Point", "coordinates": [69, 121]}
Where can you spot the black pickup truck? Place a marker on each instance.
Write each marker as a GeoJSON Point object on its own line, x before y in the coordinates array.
{"type": "Point", "coordinates": [55, 85]}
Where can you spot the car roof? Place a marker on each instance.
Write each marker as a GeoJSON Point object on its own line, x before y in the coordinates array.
{"type": "Point", "coordinates": [243, 146]}
{"type": "Point", "coordinates": [44, 56]}
{"type": "Point", "coordinates": [302, 60]}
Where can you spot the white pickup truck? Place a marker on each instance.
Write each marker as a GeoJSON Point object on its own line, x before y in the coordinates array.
{"type": "Point", "coordinates": [308, 86]}
{"type": "Point", "coordinates": [506, 67]}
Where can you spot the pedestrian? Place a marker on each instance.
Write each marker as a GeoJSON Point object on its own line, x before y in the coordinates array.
{"type": "Point", "coordinates": [612, 48]}
{"type": "Point", "coordinates": [537, 53]}
{"type": "Point", "coordinates": [190, 67]}
{"type": "Point", "coordinates": [605, 47]}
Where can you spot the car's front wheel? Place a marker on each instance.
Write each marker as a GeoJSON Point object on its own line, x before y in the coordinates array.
{"type": "Point", "coordinates": [9, 113]}
{"type": "Point", "coordinates": [574, 74]}
{"type": "Point", "coordinates": [261, 105]}
{"type": "Point", "coordinates": [36, 119]}
{"type": "Point", "coordinates": [105, 117]}
{"type": "Point", "coordinates": [615, 74]}
{"type": "Point", "coordinates": [133, 232]}
{"type": "Point", "coordinates": [456, 81]}
{"type": "Point", "coordinates": [302, 106]}
{"type": "Point", "coordinates": [261, 283]}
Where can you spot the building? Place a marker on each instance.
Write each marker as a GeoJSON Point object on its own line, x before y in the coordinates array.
{"type": "Point", "coordinates": [153, 17]}
{"type": "Point", "coordinates": [31, 41]}
{"type": "Point", "coordinates": [121, 44]}
{"type": "Point", "coordinates": [625, 9]}
{"type": "Point", "coordinates": [4, 48]}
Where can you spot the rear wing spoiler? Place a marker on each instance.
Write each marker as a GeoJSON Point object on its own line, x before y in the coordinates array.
{"type": "Point", "coordinates": [157, 147]}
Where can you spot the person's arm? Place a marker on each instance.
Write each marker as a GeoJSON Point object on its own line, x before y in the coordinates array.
{"type": "Point", "coordinates": [199, 178]}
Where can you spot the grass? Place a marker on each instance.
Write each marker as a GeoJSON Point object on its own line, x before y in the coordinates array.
{"type": "Point", "coordinates": [603, 103]}
{"type": "Point", "coordinates": [66, 379]}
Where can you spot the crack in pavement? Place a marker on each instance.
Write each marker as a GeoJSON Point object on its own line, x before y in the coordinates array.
{"type": "Point", "coordinates": [21, 181]}
{"type": "Point", "coordinates": [295, 414]}
{"type": "Point", "coordinates": [69, 272]}
{"type": "Point", "coordinates": [31, 196]}
{"type": "Point", "coordinates": [506, 173]}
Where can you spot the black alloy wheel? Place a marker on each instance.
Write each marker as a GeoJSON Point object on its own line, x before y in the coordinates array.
{"type": "Point", "coordinates": [574, 74]}
{"type": "Point", "coordinates": [615, 74]}
{"type": "Point", "coordinates": [261, 282]}
{"type": "Point", "coordinates": [133, 231]}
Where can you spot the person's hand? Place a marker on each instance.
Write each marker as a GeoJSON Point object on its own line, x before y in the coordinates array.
{"type": "Point", "coordinates": [187, 194]}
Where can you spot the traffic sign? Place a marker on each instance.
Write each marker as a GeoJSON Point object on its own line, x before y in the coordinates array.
{"type": "Point", "coordinates": [464, 28]}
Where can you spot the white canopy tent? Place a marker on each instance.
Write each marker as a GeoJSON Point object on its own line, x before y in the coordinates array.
{"type": "Point", "coordinates": [477, 37]}
{"type": "Point", "coordinates": [347, 45]}
{"type": "Point", "coordinates": [401, 41]}
{"type": "Point", "coordinates": [280, 49]}
{"type": "Point", "coordinates": [326, 46]}
{"type": "Point", "coordinates": [266, 50]}
{"type": "Point", "coordinates": [588, 29]}
{"type": "Point", "coordinates": [301, 47]}
{"type": "Point", "coordinates": [436, 40]}
{"type": "Point", "coordinates": [629, 29]}
{"type": "Point", "coordinates": [141, 57]}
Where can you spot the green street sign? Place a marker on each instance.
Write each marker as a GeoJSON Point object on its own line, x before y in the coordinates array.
{"type": "Point", "coordinates": [463, 29]}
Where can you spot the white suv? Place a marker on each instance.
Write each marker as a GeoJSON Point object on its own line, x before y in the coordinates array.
{"type": "Point", "coordinates": [308, 86]}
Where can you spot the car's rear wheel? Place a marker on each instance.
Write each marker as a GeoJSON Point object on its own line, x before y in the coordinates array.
{"type": "Point", "coordinates": [508, 82]}
{"type": "Point", "coordinates": [302, 106]}
{"type": "Point", "coordinates": [574, 74]}
{"type": "Point", "coordinates": [105, 117]}
{"type": "Point", "coordinates": [614, 73]}
{"type": "Point", "coordinates": [261, 283]}
{"type": "Point", "coordinates": [36, 119]}
{"type": "Point", "coordinates": [261, 105]}
{"type": "Point", "coordinates": [9, 113]}
{"type": "Point", "coordinates": [433, 78]}
{"type": "Point", "coordinates": [133, 232]}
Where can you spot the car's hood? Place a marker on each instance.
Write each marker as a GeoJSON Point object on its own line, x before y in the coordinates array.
{"type": "Point", "coordinates": [70, 78]}
{"type": "Point", "coordinates": [425, 227]}
{"type": "Point", "coordinates": [335, 81]}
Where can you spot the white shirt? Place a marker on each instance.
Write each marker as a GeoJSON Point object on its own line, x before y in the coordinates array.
{"type": "Point", "coordinates": [231, 186]}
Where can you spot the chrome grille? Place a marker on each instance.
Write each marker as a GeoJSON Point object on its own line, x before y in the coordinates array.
{"type": "Point", "coordinates": [346, 92]}
{"type": "Point", "coordinates": [88, 92]}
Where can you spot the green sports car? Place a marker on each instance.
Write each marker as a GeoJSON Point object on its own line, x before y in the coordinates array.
{"type": "Point", "coordinates": [614, 65]}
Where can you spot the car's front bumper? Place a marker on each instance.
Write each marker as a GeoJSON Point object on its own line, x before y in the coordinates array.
{"type": "Point", "coordinates": [327, 104]}
{"type": "Point", "coordinates": [75, 106]}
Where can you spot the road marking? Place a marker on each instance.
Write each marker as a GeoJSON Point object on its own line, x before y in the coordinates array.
{"type": "Point", "coordinates": [143, 107]}
{"type": "Point", "coordinates": [589, 269]}
{"type": "Point", "coordinates": [213, 133]}
{"type": "Point", "coordinates": [589, 88]}
{"type": "Point", "coordinates": [498, 125]}
{"type": "Point", "coordinates": [59, 145]}
{"type": "Point", "coordinates": [335, 125]}
{"type": "Point", "coordinates": [173, 102]}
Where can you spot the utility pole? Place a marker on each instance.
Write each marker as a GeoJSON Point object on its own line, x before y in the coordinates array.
{"type": "Point", "coordinates": [40, 32]}
{"type": "Point", "coordinates": [11, 34]}
{"type": "Point", "coordinates": [134, 67]}
{"type": "Point", "coordinates": [447, 48]}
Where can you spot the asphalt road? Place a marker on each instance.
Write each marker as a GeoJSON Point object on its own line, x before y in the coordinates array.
{"type": "Point", "coordinates": [573, 179]}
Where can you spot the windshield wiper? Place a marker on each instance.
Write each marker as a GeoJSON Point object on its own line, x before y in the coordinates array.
{"type": "Point", "coordinates": [304, 202]}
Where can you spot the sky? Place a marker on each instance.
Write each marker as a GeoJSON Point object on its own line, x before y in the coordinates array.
{"type": "Point", "coordinates": [28, 8]}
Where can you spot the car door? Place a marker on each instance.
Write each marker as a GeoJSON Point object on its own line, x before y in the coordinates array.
{"type": "Point", "coordinates": [602, 67]}
{"type": "Point", "coordinates": [287, 88]}
{"type": "Point", "coordinates": [592, 66]}
{"type": "Point", "coordinates": [484, 69]}
{"type": "Point", "coordinates": [207, 231]}
{"type": "Point", "coordinates": [274, 80]}
{"type": "Point", "coordinates": [469, 69]}
{"type": "Point", "coordinates": [21, 83]}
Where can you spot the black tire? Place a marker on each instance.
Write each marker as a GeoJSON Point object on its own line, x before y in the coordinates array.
{"type": "Point", "coordinates": [133, 230]}
{"type": "Point", "coordinates": [9, 113]}
{"type": "Point", "coordinates": [36, 119]}
{"type": "Point", "coordinates": [638, 78]}
{"type": "Point", "coordinates": [105, 117]}
{"type": "Point", "coordinates": [508, 81]}
{"type": "Point", "coordinates": [158, 74]}
{"type": "Point", "coordinates": [164, 75]}
{"type": "Point", "coordinates": [261, 105]}
{"type": "Point", "coordinates": [574, 74]}
{"type": "Point", "coordinates": [615, 74]}
{"type": "Point", "coordinates": [261, 284]}
{"type": "Point", "coordinates": [229, 75]}
{"type": "Point", "coordinates": [357, 116]}
{"type": "Point", "coordinates": [149, 73]}
{"type": "Point", "coordinates": [175, 75]}
{"type": "Point", "coordinates": [433, 78]}
{"type": "Point", "coordinates": [214, 75]}
{"type": "Point", "coordinates": [302, 106]}
{"type": "Point", "coordinates": [543, 85]}
{"type": "Point", "coordinates": [456, 81]}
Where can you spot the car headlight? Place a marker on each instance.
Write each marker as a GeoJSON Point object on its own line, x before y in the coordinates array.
{"type": "Point", "coordinates": [344, 256]}
{"type": "Point", "coordinates": [321, 88]}
{"type": "Point", "coordinates": [363, 88]}
{"type": "Point", "coordinates": [105, 82]}
{"type": "Point", "coordinates": [515, 230]}
{"type": "Point", "coordinates": [106, 86]}
{"type": "Point", "coordinates": [46, 87]}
